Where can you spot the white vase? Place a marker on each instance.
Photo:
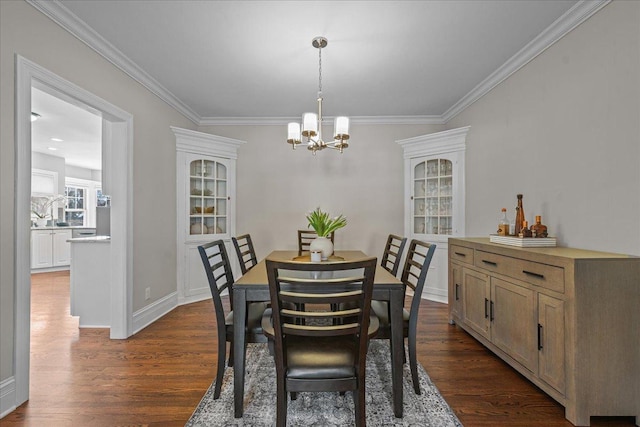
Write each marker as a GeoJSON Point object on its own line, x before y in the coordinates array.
{"type": "Point", "coordinates": [41, 222]}
{"type": "Point", "coordinates": [324, 245]}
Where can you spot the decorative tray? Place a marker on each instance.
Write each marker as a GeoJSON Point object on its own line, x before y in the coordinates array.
{"type": "Point", "coordinates": [307, 258]}
{"type": "Point", "coordinates": [524, 242]}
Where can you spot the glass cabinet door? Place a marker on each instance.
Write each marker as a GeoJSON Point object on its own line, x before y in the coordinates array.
{"type": "Point", "coordinates": [432, 197]}
{"type": "Point", "coordinates": [207, 197]}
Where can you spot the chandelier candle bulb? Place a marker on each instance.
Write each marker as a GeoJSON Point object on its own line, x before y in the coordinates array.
{"type": "Point", "coordinates": [341, 127]}
{"type": "Point", "coordinates": [309, 124]}
{"type": "Point", "coordinates": [293, 134]}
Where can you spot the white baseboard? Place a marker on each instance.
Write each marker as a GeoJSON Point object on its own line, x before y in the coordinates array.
{"type": "Point", "coordinates": [435, 294]}
{"type": "Point", "coordinates": [194, 298]}
{"type": "Point", "coordinates": [7, 396]}
{"type": "Point", "coordinates": [149, 314]}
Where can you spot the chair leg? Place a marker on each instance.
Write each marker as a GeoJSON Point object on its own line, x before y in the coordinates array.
{"type": "Point", "coordinates": [413, 364]}
{"type": "Point", "coordinates": [230, 363]}
{"type": "Point", "coordinates": [222, 353]}
{"type": "Point", "coordinates": [359, 405]}
{"type": "Point", "coordinates": [294, 395]}
{"type": "Point", "coordinates": [281, 404]}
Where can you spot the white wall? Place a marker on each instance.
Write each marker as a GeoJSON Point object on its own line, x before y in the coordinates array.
{"type": "Point", "coordinates": [27, 32]}
{"type": "Point", "coordinates": [565, 132]}
{"type": "Point", "coordinates": [277, 186]}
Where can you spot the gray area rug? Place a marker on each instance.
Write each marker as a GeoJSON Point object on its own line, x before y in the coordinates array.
{"type": "Point", "coordinates": [324, 409]}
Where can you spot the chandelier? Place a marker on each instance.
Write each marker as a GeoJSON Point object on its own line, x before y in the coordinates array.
{"type": "Point", "coordinates": [312, 122]}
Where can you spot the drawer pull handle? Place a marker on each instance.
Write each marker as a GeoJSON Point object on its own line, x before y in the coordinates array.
{"type": "Point", "coordinates": [530, 273]}
{"type": "Point", "coordinates": [460, 254]}
{"type": "Point", "coordinates": [486, 309]}
{"type": "Point", "coordinates": [539, 336]}
{"type": "Point", "coordinates": [491, 316]}
{"type": "Point", "coordinates": [457, 296]}
{"type": "Point", "coordinates": [491, 263]}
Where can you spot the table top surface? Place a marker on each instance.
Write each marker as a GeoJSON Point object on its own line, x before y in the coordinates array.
{"type": "Point", "coordinates": [257, 276]}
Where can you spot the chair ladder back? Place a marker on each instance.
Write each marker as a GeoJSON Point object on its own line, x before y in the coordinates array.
{"type": "Point", "coordinates": [219, 275]}
{"type": "Point", "coordinates": [305, 237]}
{"type": "Point", "coordinates": [245, 252]}
{"type": "Point", "coordinates": [416, 267]}
{"type": "Point", "coordinates": [393, 253]}
{"type": "Point", "coordinates": [314, 299]}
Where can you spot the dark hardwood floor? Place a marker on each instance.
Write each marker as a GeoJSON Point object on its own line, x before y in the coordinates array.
{"type": "Point", "coordinates": [79, 377]}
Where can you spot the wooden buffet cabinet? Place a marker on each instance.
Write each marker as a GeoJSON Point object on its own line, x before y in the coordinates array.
{"type": "Point", "coordinates": [567, 319]}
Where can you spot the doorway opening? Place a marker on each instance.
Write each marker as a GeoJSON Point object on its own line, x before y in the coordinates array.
{"type": "Point", "coordinates": [117, 137]}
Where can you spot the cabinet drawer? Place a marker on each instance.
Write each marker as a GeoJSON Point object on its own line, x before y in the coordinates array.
{"type": "Point", "coordinates": [461, 253]}
{"type": "Point", "coordinates": [544, 275]}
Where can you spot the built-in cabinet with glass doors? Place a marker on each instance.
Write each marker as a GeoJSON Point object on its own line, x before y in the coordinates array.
{"type": "Point", "coordinates": [205, 184]}
{"type": "Point", "coordinates": [207, 197]}
{"type": "Point", "coordinates": [434, 198]}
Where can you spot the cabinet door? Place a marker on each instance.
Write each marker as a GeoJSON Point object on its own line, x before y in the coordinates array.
{"type": "Point", "coordinates": [41, 249]}
{"type": "Point", "coordinates": [455, 292]}
{"type": "Point", "coordinates": [551, 341]}
{"type": "Point", "coordinates": [209, 193]}
{"type": "Point", "coordinates": [475, 301]}
{"type": "Point", "coordinates": [435, 204]}
{"type": "Point", "coordinates": [61, 248]}
{"type": "Point", "coordinates": [513, 322]}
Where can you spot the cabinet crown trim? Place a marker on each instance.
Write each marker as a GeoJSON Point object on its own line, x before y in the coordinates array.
{"type": "Point", "coordinates": [435, 143]}
{"type": "Point", "coordinates": [191, 141]}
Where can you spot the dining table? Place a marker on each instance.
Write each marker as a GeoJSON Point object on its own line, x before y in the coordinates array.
{"type": "Point", "coordinates": [253, 286]}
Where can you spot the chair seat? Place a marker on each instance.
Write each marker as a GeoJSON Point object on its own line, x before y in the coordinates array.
{"type": "Point", "coordinates": [321, 358]}
{"type": "Point", "coordinates": [381, 309]}
{"type": "Point", "coordinates": [255, 310]}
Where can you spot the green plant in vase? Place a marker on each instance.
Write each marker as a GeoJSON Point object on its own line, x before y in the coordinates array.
{"type": "Point", "coordinates": [324, 225]}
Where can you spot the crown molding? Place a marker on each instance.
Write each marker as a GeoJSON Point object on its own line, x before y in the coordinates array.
{"type": "Point", "coordinates": [62, 16]}
{"type": "Point", "coordinates": [282, 121]}
{"type": "Point", "coordinates": [575, 16]}
{"type": "Point", "coordinates": [579, 13]}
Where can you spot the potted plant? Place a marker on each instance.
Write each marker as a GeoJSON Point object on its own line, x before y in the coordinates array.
{"type": "Point", "coordinates": [42, 208]}
{"type": "Point", "coordinates": [324, 225]}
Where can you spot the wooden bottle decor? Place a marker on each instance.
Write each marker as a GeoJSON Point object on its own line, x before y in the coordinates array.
{"type": "Point", "coordinates": [519, 216]}
{"type": "Point", "coordinates": [538, 229]}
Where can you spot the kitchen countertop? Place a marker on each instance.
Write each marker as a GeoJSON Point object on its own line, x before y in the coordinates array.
{"type": "Point", "coordinates": [66, 227]}
{"type": "Point", "coordinates": [91, 239]}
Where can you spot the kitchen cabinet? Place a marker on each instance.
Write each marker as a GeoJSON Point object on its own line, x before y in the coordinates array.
{"type": "Point", "coordinates": [206, 186]}
{"type": "Point", "coordinates": [49, 248]}
{"type": "Point", "coordinates": [90, 281]}
{"type": "Point", "coordinates": [566, 319]}
{"type": "Point", "coordinates": [434, 198]}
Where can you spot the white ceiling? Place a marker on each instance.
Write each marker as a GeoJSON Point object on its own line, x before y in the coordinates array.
{"type": "Point", "coordinates": [79, 129]}
{"type": "Point", "coordinates": [219, 61]}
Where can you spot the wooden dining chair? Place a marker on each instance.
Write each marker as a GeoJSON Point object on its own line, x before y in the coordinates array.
{"type": "Point", "coordinates": [414, 275]}
{"type": "Point", "coordinates": [246, 253]}
{"type": "Point", "coordinates": [393, 253]}
{"type": "Point", "coordinates": [218, 268]}
{"type": "Point", "coordinates": [319, 349]}
{"type": "Point", "coordinates": [305, 237]}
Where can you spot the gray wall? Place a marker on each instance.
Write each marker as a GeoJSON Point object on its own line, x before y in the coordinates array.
{"type": "Point", "coordinates": [565, 132]}
{"type": "Point", "coordinates": [27, 32]}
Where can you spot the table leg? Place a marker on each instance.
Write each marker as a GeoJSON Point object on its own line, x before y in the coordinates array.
{"type": "Point", "coordinates": [239, 318]}
{"type": "Point", "coordinates": [396, 303]}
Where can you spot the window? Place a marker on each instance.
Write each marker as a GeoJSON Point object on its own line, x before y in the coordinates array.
{"type": "Point", "coordinates": [75, 213]}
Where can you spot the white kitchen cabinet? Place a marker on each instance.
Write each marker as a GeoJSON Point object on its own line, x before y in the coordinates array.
{"type": "Point", "coordinates": [434, 198]}
{"type": "Point", "coordinates": [49, 248]}
{"type": "Point", "coordinates": [206, 188]}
